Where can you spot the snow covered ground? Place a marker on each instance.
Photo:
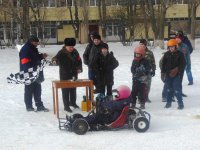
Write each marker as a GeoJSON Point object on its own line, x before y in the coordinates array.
{"type": "Point", "coordinates": [169, 129]}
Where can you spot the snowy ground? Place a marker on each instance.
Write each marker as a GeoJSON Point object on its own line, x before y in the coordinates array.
{"type": "Point", "coordinates": [170, 128]}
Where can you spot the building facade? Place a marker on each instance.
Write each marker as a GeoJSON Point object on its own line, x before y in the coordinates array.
{"type": "Point", "coordinates": [57, 23]}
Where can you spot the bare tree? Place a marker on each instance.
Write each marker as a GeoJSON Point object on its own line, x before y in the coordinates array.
{"type": "Point", "coordinates": [38, 16]}
{"type": "Point", "coordinates": [85, 17]}
{"type": "Point", "coordinates": [192, 10]}
{"type": "Point", "coordinates": [74, 20]}
{"type": "Point", "coordinates": [102, 17]}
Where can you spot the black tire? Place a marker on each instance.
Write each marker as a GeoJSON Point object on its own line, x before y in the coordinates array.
{"type": "Point", "coordinates": [80, 126]}
{"type": "Point", "coordinates": [77, 116]}
{"type": "Point", "coordinates": [141, 124]}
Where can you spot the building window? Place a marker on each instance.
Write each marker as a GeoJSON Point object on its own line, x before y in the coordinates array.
{"type": "Point", "coordinates": [50, 30]}
{"type": "Point", "coordinates": [112, 30]}
{"type": "Point", "coordinates": [93, 2]}
{"type": "Point", "coordinates": [70, 3]}
{"type": "Point", "coordinates": [61, 3]}
{"type": "Point", "coordinates": [50, 3]}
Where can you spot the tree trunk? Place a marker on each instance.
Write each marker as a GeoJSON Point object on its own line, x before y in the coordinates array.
{"type": "Point", "coordinates": [193, 24]}
{"type": "Point", "coordinates": [26, 22]}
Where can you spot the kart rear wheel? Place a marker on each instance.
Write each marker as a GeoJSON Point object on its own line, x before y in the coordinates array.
{"type": "Point", "coordinates": [141, 124]}
{"type": "Point", "coordinates": [80, 126]}
{"type": "Point", "coordinates": [77, 115]}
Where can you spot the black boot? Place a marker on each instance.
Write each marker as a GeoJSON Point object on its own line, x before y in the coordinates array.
{"type": "Point", "coordinates": [68, 109]}
{"type": "Point", "coordinates": [75, 105]}
{"type": "Point", "coordinates": [180, 107]}
{"type": "Point", "coordinates": [168, 105]}
{"type": "Point", "coordinates": [42, 108]}
{"type": "Point", "coordinates": [142, 106]}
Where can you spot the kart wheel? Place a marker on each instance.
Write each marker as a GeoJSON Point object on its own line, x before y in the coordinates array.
{"type": "Point", "coordinates": [141, 124]}
{"type": "Point", "coordinates": [80, 126]}
{"type": "Point", "coordinates": [77, 115]}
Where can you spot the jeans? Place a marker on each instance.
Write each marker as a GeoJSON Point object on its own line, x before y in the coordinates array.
{"type": "Point", "coordinates": [189, 75]}
{"type": "Point", "coordinates": [33, 90]}
{"type": "Point", "coordinates": [174, 84]}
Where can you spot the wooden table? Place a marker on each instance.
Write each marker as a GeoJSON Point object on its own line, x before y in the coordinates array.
{"type": "Point", "coordinates": [70, 84]}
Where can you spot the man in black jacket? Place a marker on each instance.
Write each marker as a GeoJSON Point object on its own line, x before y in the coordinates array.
{"type": "Point", "coordinates": [70, 65]}
{"type": "Point", "coordinates": [173, 65]}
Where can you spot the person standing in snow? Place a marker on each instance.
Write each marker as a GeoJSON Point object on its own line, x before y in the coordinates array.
{"type": "Point", "coordinates": [89, 60]}
{"type": "Point", "coordinates": [183, 47]}
{"type": "Point", "coordinates": [150, 57]}
{"type": "Point", "coordinates": [91, 74]}
{"type": "Point", "coordinates": [173, 65]}
{"type": "Point", "coordinates": [70, 65]}
{"type": "Point", "coordinates": [31, 58]}
{"type": "Point", "coordinates": [104, 65]}
{"type": "Point", "coordinates": [140, 70]}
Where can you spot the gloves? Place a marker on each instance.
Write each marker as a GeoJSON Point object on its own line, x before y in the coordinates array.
{"type": "Point", "coordinates": [45, 55]}
{"type": "Point", "coordinates": [173, 72]}
{"type": "Point", "coordinates": [163, 77]}
{"type": "Point", "coordinates": [153, 73]}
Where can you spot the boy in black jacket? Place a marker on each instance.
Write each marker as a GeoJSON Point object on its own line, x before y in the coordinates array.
{"type": "Point", "coordinates": [173, 65]}
{"type": "Point", "coordinates": [104, 64]}
{"type": "Point", "coordinates": [70, 65]}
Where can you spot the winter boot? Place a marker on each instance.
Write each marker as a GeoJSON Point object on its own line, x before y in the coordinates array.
{"type": "Point", "coordinates": [30, 109]}
{"type": "Point", "coordinates": [68, 109]}
{"type": "Point", "coordinates": [180, 107]}
{"type": "Point", "coordinates": [190, 83]}
{"type": "Point", "coordinates": [148, 100]}
{"type": "Point", "coordinates": [42, 108]}
{"type": "Point", "coordinates": [168, 105]}
{"type": "Point", "coordinates": [184, 95]}
{"type": "Point", "coordinates": [142, 106]}
{"type": "Point", "coordinates": [75, 105]}
{"type": "Point", "coordinates": [164, 99]}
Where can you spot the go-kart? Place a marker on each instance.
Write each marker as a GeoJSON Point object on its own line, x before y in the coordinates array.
{"type": "Point", "coordinates": [109, 115]}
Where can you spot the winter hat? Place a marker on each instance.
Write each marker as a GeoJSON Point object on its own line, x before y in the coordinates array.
{"type": "Point", "coordinates": [97, 36]}
{"type": "Point", "coordinates": [179, 33]}
{"type": "Point", "coordinates": [143, 41]}
{"type": "Point", "coordinates": [93, 33]}
{"type": "Point", "coordinates": [104, 45]}
{"type": "Point", "coordinates": [70, 42]}
{"type": "Point", "coordinates": [33, 38]}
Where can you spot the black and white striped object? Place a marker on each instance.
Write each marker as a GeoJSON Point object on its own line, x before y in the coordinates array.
{"type": "Point", "coordinates": [29, 76]}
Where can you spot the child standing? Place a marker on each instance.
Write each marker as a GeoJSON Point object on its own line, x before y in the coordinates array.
{"type": "Point", "coordinates": [104, 65]}
{"type": "Point", "coordinates": [70, 66]}
{"type": "Point", "coordinates": [140, 70]}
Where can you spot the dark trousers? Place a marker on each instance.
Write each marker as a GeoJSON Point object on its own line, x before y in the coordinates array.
{"type": "Point", "coordinates": [33, 90]}
{"type": "Point", "coordinates": [92, 76]}
{"type": "Point", "coordinates": [69, 97]}
{"type": "Point", "coordinates": [173, 85]}
{"type": "Point", "coordinates": [140, 89]}
{"type": "Point", "coordinates": [102, 89]}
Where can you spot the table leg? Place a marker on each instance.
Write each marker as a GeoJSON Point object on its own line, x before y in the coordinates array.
{"type": "Point", "coordinates": [57, 107]}
{"type": "Point", "coordinates": [54, 107]}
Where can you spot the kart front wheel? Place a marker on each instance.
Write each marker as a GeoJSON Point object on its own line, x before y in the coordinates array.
{"type": "Point", "coordinates": [141, 124]}
{"type": "Point", "coordinates": [80, 126]}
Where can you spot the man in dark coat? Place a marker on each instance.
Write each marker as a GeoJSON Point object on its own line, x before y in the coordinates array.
{"type": "Point", "coordinates": [173, 65]}
{"type": "Point", "coordinates": [89, 56]}
{"type": "Point", "coordinates": [104, 65]}
{"type": "Point", "coordinates": [185, 40]}
{"type": "Point", "coordinates": [70, 65]}
{"type": "Point", "coordinates": [31, 58]}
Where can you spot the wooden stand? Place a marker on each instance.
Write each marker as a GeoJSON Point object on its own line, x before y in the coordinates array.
{"type": "Point", "coordinates": [70, 84]}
